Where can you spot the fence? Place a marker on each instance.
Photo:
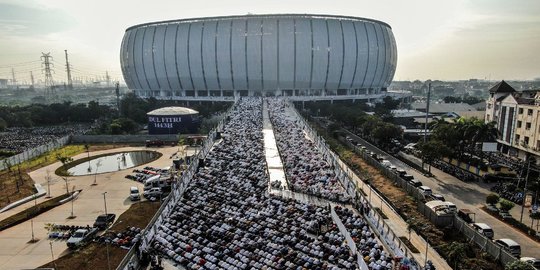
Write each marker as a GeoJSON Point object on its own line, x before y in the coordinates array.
{"type": "Point", "coordinates": [123, 138]}
{"type": "Point", "coordinates": [483, 242]}
{"type": "Point", "coordinates": [180, 186]}
{"type": "Point", "coordinates": [388, 238]}
{"type": "Point", "coordinates": [34, 152]}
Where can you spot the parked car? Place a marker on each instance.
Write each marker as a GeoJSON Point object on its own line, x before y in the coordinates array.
{"type": "Point", "coordinates": [505, 215]}
{"type": "Point", "coordinates": [153, 193]}
{"type": "Point", "coordinates": [425, 190]}
{"type": "Point", "coordinates": [509, 245]}
{"type": "Point", "coordinates": [134, 194]}
{"type": "Point", "coordinates": [407, 177]}
{"type": "Point", "coordinates": [401, 172]}
{"type": "Point", "coordinates": [484, 229]}
{"type": "Point", "coordinates": [103, 221]}
{"type": "Point", "coordinates": [81, 237]}
{"type": "Point", "coordinates": [415, 183]}
{"type": "Point", "coordinates": [535, 262]}
{"type": "Point", "coordinates": [465, 214]}
{"type": "Point", "coordinates": [492, 208]}
{"type": "Point", "coordinates": [436, 196]}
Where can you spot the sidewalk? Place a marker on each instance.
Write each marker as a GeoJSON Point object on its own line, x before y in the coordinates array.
{"type": "Point", "coordinates": [17, 253]}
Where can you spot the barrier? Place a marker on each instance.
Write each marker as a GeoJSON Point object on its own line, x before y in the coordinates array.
{"type": "Point", "coordinates": [34, 152]}
{"type": "Point", "coordinates": [345, 175]}
{"type": "Point", "coordinates": [176, 193]}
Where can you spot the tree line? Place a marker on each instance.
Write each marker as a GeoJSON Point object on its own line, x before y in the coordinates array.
{"type": "Point", "coordinates": [52, 114]}
{"type": "Point", "coordinates": [460, 139]}
{"type": "Point", "coordinates": [371, 122]}
{"type": "Point", "coordinates": [129, 119]}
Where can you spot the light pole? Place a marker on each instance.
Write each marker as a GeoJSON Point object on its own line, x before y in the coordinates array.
{"type": "Point", "coordinates": [427, 248]}
{"type": "Point", "coordinates": [525, 189]}
{"type": "Point", "coordinates": [105, 201]}
{"type": "Point", "coordinates": [52, 255]}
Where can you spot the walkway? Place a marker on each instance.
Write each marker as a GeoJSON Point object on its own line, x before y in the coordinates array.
{"type": "Point", "coordinates": [16, 253]}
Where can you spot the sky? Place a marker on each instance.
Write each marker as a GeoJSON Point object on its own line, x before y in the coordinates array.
{"type": "Point", "coordinates": [444, 40]}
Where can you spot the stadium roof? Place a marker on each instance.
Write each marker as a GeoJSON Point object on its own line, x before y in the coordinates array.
{"type": "Point", "coordinates": [315, 16]}
{"type": "Point", "coordinates": [173, 111]}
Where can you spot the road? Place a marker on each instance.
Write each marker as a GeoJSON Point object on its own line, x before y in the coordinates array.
{"type": "Point", "coordinates": [469, 195]}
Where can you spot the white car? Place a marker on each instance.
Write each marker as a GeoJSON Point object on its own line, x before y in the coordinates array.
{"type": "Point", "coordinates": [534, 261]}
{"type": "Point", "coordinates": [134, 194]}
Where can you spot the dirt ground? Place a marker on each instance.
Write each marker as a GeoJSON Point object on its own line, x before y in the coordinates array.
{"type": "Point", "coordinates": [94, 255]}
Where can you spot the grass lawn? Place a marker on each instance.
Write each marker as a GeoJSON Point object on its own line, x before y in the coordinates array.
{"type": "Point", "coordinates": [94, 255]}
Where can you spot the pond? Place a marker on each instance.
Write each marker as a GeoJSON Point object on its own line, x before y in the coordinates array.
{"type": "Point", "coordinates": [113, 162]}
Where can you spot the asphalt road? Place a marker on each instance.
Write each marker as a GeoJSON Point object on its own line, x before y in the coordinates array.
{"type": "Point", "coordinates": [469, 195]}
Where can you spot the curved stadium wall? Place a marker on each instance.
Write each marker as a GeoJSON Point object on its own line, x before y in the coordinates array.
{"type": "Point", "coordinates": [293, 55]}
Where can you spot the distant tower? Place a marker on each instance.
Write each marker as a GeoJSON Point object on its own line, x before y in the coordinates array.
{"type": "Point", "coordinates": [46, 68]}
{"type": "Point", "coordinates": [117, 90]}
{"type": "Point", "coordinates": [32, 79]}
{"type": "Point", "coordinates": [13, 80]}
{"type": "Point", "coordinates": [107, 78]}
{"type": "Point", "coordinates": [68, 69]}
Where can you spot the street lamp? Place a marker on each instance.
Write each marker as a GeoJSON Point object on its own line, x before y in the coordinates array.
{"type": "Point", "coordinates": [105, 201]}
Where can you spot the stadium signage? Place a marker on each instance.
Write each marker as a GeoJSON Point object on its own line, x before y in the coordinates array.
{"type": "Point", "coordinates": [164, 122]}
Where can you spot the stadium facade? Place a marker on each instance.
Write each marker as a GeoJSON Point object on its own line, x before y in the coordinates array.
{"type": "Point", "coordinates": [296, 55]}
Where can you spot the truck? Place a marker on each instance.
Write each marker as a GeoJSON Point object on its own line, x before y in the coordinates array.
{"type": "Point", "coordinates": [81, 237]}
{"type": "Point", "coordinates": [153, 143]}
{"type": "Point", "coordinates": [103, 221]}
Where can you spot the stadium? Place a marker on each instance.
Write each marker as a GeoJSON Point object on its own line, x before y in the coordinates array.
{"type": "Point", "coordinates": [305, 57]}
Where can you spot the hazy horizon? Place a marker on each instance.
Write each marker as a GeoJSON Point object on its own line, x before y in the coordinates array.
{"type": "Point", "coordinates": [451, 40]}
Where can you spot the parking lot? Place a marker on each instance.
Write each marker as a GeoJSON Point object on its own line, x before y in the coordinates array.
{"type": "Point", "coordinates": [17, 253]}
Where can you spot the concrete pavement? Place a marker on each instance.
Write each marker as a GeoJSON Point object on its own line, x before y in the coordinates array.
{"type": "Point", "coordinates": [17, 253]}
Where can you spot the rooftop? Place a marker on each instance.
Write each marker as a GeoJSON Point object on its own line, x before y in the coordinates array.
{"type": "Point", "coordinates": [172, 111]}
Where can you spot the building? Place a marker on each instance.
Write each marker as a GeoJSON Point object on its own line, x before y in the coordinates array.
{"type": "Point", "coordinates": [517, 115]}
{"type": "Point", "coordinates": [305, 57]}
{"type": "Point", "coordinates": [173, 120]}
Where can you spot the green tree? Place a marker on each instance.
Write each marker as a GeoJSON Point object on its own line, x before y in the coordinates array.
{"type": "Point", "coordinates": [412, 225]}
{"type": "Point", "coordinates": [384, 133]}
{"type": "Point", "coordinates": [456, 252]}
{"type": "Point", "coordinates": [432, 150]}
{"type": "Point", "coordinates": [518, 265]}
{"type": "Point", "coordinates": [64, 160]}
{"type": "Point", "coordinates": [492, 198]}
{"type": "Point", "coordinates": [506, 205]}
{"type": "Point", "coordinates": [3, 124]}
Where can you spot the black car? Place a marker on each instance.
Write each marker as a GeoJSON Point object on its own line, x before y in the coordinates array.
{"type": "Point", "coordinates": [103, 221]}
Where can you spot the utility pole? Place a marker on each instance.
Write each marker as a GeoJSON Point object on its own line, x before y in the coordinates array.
{"type": "Point", "coordinates": [107, 78]}
{"type": "Point", "coordinates": [46, 68]}
{"type": "Point", "coordinates": [32, 79]}
{"type": "Point", "coordinates": [117, 90]}
{"type": "Point", "coordinates": [525, 189]}
{"type": "Point", "coordinates": [426, 123]}
{"type": "Point", "coordinates": [68, 69]}
{"type": "Point", "coordinates": [13, 80]}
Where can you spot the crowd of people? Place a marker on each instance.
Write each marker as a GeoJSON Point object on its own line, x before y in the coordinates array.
{"type": "Point", "coordinates": [19, 139]}
{"type": "Point", "coordinates": [306, 169]}
{"type": "Point", "coordinates": [227, 220]}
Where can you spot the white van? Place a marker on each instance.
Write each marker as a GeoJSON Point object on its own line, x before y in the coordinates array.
{"type": "Point", "coordinates": [451, 207]}
{"type": "Point", "coordinates": [134, 193]}
{"type": "Point", "coordinates": [386, 163]}
{"type": "Point", "coordinates": [509, 245]}
{"type": "Point", "coordinates": [425, 190]}
{"type": "Point", "coordinates": [484, 229]}
{"type": "Point", "coordinates": [155, 181]}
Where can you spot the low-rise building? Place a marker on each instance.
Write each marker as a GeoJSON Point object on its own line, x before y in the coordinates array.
{"type": "Point", "coordinates": [517, 114]}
